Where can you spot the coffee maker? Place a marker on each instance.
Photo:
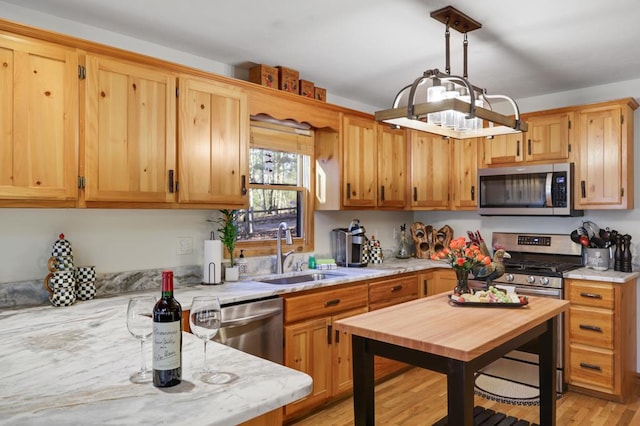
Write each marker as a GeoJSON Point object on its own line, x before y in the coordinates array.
{"type": "Point", "coordinates": [350, 246]}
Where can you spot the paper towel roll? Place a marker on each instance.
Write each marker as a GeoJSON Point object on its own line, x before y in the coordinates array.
{"type": "Point", "coordinates": [212, 265]}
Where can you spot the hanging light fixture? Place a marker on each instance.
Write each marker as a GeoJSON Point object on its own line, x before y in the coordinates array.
{"type": "Point", "coordinates": [457, 109]}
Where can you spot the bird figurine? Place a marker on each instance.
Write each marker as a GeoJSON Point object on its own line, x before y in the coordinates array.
{"type": "Point", "coordinates": [493, 270]}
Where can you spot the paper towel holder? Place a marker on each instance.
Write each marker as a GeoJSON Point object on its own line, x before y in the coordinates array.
{"type": "Point", "coordinates": [208, 280]}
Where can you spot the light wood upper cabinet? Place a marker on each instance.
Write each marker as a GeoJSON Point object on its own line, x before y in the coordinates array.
{"type": "Point", "coordinates": [38, 121]}
{"type": "Point", "coordinates": [547, 140]}
{"type": "Point", "coordinates": [429, 159]}
{"type": "Point", "coordinates": [503, 149]}
{"type": "Point", "coordinates": [359, 160]}
{"type": "Point", "coordinates": [130, 142]}
{"type": "Point", "coordinates": [213, 142]}
{"type": "Point", "coordinates": [392, 168]}
{"type": "Point", "coordinates": [604, 170]}
{"type": "Point", "coordinates": [464, 176]}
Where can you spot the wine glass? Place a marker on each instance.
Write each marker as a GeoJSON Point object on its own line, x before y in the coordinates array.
{"type": "Point", "coordinates": [140, 325]}
{"type": "Point", "coordinates": [205, 318]}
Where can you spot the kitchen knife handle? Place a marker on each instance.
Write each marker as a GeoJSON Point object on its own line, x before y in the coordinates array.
{"type": "Point", "coordinates": [591, 295]}
{"type": "Point", "coordinates": [583, 188]}
{"type": "Point", "coordinates": [590, 328]}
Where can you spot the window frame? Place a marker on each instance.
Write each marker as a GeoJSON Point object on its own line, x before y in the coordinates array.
{"type": "Point", "coordinates": [288, 139]}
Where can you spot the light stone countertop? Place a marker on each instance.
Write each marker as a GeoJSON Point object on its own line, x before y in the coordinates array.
{"type": "Point", "coordinates": [71, 365]}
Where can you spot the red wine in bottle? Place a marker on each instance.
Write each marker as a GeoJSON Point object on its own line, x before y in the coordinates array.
{"type": "Point", "coordinates": [167, 336]}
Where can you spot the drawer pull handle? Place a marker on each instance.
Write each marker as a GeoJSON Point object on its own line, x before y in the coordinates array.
{"type": "Point", "coordinates": [591, 295]}
{"type": "Point", "coordinates": [332, 302]}
{"type": "Point", "coordinates": [590, 366]}
{"type": "Point", "coordinates": [329, 328]}
{"type": "Point", "coordinates": [590, 328]}
{"type": "Point", "coordinates": [396, 288]}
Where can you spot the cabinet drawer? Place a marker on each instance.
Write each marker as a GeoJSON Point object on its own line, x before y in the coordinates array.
{"type": "Point", "coordinates": [324, 303]}
{"type": "Point", "coordinates": [588, 293]}
{"type": "Point", "coordinates": [591, 367]}
{"type": "Point", "coordinates": [591, 327]}
{"type": "Point", "coordinates": [391, 292]}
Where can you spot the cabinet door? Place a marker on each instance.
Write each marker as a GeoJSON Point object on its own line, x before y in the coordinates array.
{"type": "Point", "coordinates": [392, 167]}
{"type": "Point", "coordinates": [38, 120]}
{"type": "Point", "coordinates": [602, 166]}
{"type": "Point", "coordinates": [306, 349]}
{"type": "Point", "coordinates": [213, 142]}
{"type": "Point", "coordinates": [429, 171]}
{"type": "Point", "coordinates": [464, 179]}
{"type": "Point", "coordinates": [440, 281]}
{"type": "Point", "coordinates": [360, 158]}
{"type": "Point", "coordinates": [342, 369]}
{"type": "Point", "coordinates": [130, 138]}
{"type": "Point", "coordinates": [504, 149]}
{"type": "Point", "coordinates": [548, 137]}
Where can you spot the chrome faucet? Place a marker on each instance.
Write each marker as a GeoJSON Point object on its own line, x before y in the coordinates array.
{"type": "Point", "coordinates": [280, 258]}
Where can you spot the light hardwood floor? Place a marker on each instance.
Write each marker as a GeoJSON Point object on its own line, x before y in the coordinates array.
{"type": "Point", "coordinates": [418, 397]}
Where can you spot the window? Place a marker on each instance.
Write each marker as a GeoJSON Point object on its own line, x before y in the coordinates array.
{"type": "Point", "coordinates": [280, 161]}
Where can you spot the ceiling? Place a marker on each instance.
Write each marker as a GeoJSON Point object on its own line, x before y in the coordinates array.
{"type": "Point", "coordinates": [367, 50]}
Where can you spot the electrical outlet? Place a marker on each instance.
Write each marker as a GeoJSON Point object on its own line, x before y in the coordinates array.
{"type": "Point", "coordinates": [184, 245]}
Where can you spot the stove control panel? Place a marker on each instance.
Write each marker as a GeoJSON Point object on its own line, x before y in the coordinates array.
{"type": "Point", "coordinates": [534, 240]}
{"type": "Point", "coordinates": [531, 280]}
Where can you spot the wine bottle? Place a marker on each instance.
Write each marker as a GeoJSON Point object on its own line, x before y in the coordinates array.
{"type": "Point", "coordinates": [167, 336]}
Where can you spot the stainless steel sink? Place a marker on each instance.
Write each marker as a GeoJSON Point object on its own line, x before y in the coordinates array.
{"type": "Point", "coordinates": [295, 279]}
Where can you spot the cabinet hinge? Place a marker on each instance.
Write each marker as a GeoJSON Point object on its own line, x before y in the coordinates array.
{"type": "Point", "coordinates": [81, 182]}
{"type": "Point", "coordinates": [82, 72]}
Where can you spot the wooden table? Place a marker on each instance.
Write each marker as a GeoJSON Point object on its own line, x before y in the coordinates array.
{"type": "Point", "coordinates": [454, 340]}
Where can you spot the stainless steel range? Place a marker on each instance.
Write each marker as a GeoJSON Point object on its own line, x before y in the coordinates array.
{"type": "Point", "coordinates": [535, 268]}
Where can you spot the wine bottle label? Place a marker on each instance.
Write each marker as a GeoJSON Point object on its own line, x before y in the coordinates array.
{"type": "Point", "coordinates": [166, 345]}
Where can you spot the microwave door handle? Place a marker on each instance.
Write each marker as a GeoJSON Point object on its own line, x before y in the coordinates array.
{"type": "Point", "coordinates": [547, 189]}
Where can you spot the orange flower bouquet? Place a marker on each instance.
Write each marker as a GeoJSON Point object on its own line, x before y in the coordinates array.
{"type": "Point", "coordinates": [462, 255]}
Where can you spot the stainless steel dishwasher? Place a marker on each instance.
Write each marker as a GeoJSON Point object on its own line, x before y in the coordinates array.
{"type": "Point", "coordinates": [253, 326]}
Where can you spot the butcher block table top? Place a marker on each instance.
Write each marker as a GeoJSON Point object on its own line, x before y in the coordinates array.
{"type": "Point", "coordinates": [435, 326]}
{"type": "Point", "coordinates": [454, 340]}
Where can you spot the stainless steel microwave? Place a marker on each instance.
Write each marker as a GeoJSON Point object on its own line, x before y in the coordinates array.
{"type": "Point", "coordinates": [537, 190]}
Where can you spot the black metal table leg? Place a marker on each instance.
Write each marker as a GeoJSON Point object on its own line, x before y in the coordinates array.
{"type": "Point", "coordinates": [460, 393]}
{"type": "Point", "coordinates": [363, 383]}
{"type": "Point", "coordinates": [547, 374]}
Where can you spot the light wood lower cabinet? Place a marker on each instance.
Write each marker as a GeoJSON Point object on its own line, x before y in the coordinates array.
{"type": "Point", "coordinates": [388, 292]}
{"type": "Point", "coordinates": [601, 339]}
{"type": "Point", "coordinates": [312, 345]}
{"type": "Point", "coordinates": [436, 281]}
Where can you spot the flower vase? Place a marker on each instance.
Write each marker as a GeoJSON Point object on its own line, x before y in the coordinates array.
{"type": "Point", "coordinates": [462, 282]}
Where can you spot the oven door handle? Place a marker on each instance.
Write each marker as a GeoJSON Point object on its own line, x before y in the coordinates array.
{"type": "Point", "coordinates": [556, 293]}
